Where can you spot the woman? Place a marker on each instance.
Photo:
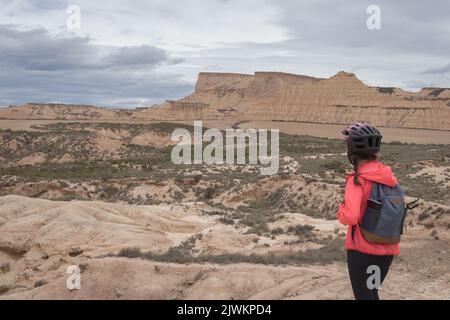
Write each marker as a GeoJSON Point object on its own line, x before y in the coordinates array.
{"type": "Point", "coordinates": [363, 143]}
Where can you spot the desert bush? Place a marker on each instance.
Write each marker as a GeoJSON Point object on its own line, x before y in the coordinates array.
{"type": "Point", "coordinates": [214, 213]}
{"type": "Point", "coordinates": [277, 231]}
{"type": "Point", "coordinates": [258, 230]}
{"type": "Point", "coordinates": [226, 220]}
{"type": "Point", "coordinates": [438, 210]}
{"type": "Point", "coordinates": [178, 196]}
{"type": "Point", "coordinates": [5, 267]}
{"type": "Point", "coordinates": [423, 216]}
{"type": "Point", "coordinates": [40, 283]}
{"type": "Point", "coordinates": [130, 253]}
{"type": "Point", "coordinates": [208, 193]}
{"type": "Point", "coordinates": [436, 92]}
{"type": "Point", "coordinates": [302, 230]}
{"type": "Point", "coordinates": [385, 90]}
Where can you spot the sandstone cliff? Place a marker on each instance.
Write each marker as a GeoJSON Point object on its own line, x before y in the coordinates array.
{"type": "Point", "coordinates": [340, 99]}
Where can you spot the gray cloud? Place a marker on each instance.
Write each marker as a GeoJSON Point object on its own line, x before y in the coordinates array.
{"type": "Point", "coordinates": [406, 26]}
{"type": "Point", "coordinates": [138, 56]}
{"type": "Point", "coordinates": [36, 50]}
{"type": "Point", "coordinates": [41, 68]}
{"type": "Point", "coordinates": [439, 70]}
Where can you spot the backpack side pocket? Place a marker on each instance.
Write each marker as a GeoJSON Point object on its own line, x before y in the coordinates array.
{"type": "Point", "coordinates": [370, 219]}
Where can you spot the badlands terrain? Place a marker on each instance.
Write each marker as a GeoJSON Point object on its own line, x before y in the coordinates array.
{"type": "Point", "coordinates": [95, 187]}
{"type": "Point", "coordinates": [104, 195]}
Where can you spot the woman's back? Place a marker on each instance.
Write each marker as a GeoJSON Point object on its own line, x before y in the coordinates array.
{"type": "Point", "coordinates": [352, 210]}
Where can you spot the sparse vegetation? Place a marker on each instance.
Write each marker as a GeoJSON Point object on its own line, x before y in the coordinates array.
{"type": "Point", "coordinates": [436, 92]}
{"type": "Point", "coordinates": [332, 251]}
{"type": "Point", "coordinates": [335, 165]}
{"type": "Point", "coordinates": [257, 214]}
{"type": "Point", "coordinates": [302, 230]}
{"type": "Point", "coordinates": [226, 220]}
{"type": "Point", "coordinates": [96, 175]}
{"type": "Point", "coordinates": [40, 283]}
{"type": "Point", "coordinates": [423, 216]}
{"type": "Point", "coordinates": [386, 90]}
{"type": "Point", "coordinates": [5, 267]}
{"type": "Point", "coordinates": [316, 156]}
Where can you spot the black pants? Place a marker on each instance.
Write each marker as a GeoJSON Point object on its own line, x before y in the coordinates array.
{"type": "Point", "coordinates": [358, 264]}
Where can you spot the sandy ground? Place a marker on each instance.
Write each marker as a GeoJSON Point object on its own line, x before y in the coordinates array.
{"type": "Point", "coordinates": [39, 239]}
{"type": "Point", "coordinates": [333, 131]}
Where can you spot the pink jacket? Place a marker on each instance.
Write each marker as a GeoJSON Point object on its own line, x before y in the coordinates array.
{"type": "Point", "coordinates": [351, 211]}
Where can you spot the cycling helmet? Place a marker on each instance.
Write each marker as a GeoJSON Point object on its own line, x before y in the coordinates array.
{"type": "Point", "coordinates": [362, 138]}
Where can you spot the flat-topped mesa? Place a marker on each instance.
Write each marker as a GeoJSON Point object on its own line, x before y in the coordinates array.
{"type": "Point", "coordinates": [342, 98]}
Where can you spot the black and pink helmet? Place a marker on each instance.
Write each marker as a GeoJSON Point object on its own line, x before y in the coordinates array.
{"type": "Point", "coordinates": [363, 138]}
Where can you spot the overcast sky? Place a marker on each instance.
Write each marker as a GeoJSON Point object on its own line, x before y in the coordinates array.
{"type": "Point", "coordinates": [137, 53]}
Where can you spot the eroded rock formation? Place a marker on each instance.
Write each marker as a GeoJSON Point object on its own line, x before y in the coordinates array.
{"type": "Point", "coordinates": [340, 99]}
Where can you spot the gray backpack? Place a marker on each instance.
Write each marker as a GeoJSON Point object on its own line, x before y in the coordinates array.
{"type": "Point", "coordinates": [385, 215]}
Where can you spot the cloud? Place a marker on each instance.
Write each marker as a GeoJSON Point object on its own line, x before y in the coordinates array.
{"type": "Point", "coordinates": [406, 26]}
{"type": "Point", "coordinates": [36, 49]}
{"type": "Point", "coordinates": [138, 56]}
{"type": "Point", "coordinates": [170, 24]}
{"type": "Point", "coordinates": [440, 70]}
{"type": "Point", "coordinates": [147, 51]}
{"type": "Point", "coordinates": [41, 67]}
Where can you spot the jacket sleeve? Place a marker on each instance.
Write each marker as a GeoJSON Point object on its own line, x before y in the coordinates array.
{"type": "Point", "coordinates": [350, 210]}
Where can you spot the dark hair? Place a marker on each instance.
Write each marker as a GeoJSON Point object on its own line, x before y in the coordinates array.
{"type": "Point", "coordinates": [355, 160]}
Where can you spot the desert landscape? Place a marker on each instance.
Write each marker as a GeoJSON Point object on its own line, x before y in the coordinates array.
{"type": "Point", "coordinates": [272, 97]}
{"type": "Point", "coordinates": [196, 150]}
{"type": "Point", "coordinates": [96, 188]}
